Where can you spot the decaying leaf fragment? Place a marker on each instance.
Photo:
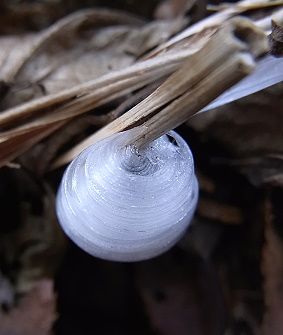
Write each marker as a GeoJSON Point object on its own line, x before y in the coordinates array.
{"type": "Point", "coordinates": [62, 63]}
{"type": "Point", "coordinates": [77, 48]}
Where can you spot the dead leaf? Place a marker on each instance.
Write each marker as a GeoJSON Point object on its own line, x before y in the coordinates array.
{"type": "Point", "coordinates": [73, 109]}
{"type": "Point", "coordinates": [34, 314]}
{"type": "Point", "coordinates": [76, 49]}
{"type": "Point", "coordinates": [93, 47]}
{"type": "Point", "coordinates": [67, 43]}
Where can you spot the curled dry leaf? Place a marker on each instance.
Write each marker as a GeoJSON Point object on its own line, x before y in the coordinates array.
{"type": "Point", "coordinates": [87, 55]}
{"type": "Point", "coordinates": [41, 54]}
{"type": "Point", "coordinates": [34, 314]}
{"type": "Point", "coordinates": [50, 65]}
{"type": "Point", "coordinates": [78, 48]}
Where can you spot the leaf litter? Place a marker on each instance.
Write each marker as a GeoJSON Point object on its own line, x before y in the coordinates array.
{"type": "Point", "coordinates": [225, 276]}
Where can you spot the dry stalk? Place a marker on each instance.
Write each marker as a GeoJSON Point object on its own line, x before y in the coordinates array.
{"type": "Point", "coordinates": [164, 64]}
{"type": "Point", "coordinates": [229, 73]}
{"type": "Point", "coordinates": [206, 74]}
{"type": "Point", "coordinates": [216, 20]}
{"type": "Point", "coordinates": [19, 124]}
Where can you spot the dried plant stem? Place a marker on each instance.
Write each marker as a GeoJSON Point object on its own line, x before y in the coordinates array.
{"type": "Point", "coordinates": [206, 74]}
{"type": "Point", "coordinates": [165, 64]}
{"type": "Point", "coordinates": [229, 73]}
{"type": "Point", "coordinates": [85, 103]}
{"type": "Point", "coordinates": [216, 20]}
{"type": "Point", "coordinates": [25, 125]}
{"type": "Point", "coordinates": [23, 142]}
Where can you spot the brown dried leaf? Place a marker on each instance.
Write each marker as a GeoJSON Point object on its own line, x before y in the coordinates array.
{"type": "Point", "coordinates": [69, 41]}
{"type": "Point", "coordinates": [97, 53]}
{"type": "Point", "coordinates": [14, 51]}
{"type": "Point", "coordinates": [39, 157]}
{"type": "Point", "coordinates": [78, 48]}
{"type": "Point", "coordinates": [81, 103]}
{"type": "Point", "coordinates": [109, 48]}
{"type": "Point", "coordinates": [34, 314]}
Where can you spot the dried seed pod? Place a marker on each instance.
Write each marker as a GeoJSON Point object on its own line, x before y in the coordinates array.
{"type": "Point", "coordinates": [125, 204]}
